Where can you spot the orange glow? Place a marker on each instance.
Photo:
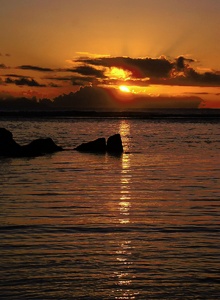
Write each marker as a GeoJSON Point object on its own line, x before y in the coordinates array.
{"type": "Point", "coordinates": [124, 89]}
{"type": "Point", "coordinates": [118, 73]}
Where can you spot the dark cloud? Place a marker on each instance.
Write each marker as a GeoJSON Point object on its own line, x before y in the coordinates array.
{"type": "Point", "coordinates": [204, 79]}
{"type": "Point", "coordinates": [142, 72]}
{"type": "Point", "coordinates": [3, 66]}
{"type": "Point", "coordinates": [139, 67]}
{"type": "Point", "coordinates": [193, 78]}
{"type": "Point", "coordinates": [14, 75]}
{"type": "Point", "coordinates": [23, 81]}
{"type": "Point", "coordinates": [184, 74]}
{"type": "Point", "coordinates": [76, 80]}
{"type": "Point", "coordinates": [183, 62]}
{"type": "Point", "coordinates": [52, 84]}
{"type": "Point", "coordinates": [180, 65]}
{"type": "Point", "coordinates": [89, 71]}
{"type": "Point", "coordinates": [82, 82]}
{"type": "Point", "coordinates": [59, 78]}
{"type": "Point", "coordinates": [197, 93]}
{"type": "Point", "coordinates": [85, 81]}
{"type": "Point", "coordinates": [9, 103]}
{"type": "Point", "coordinates": [94, 98]}
{"type": "Point", "coordinates": [87, 98]}
{"type": "Point", "coordinates": [34, 68]}
{"type": "Point", "coordinates": [158, 70]}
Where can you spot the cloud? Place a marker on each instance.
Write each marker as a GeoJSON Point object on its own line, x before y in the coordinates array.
{"type": "Point", "coordinates": [34, 68]}
{"type": "Point", "coordinates": [180, 65]}
{"type": "Point", "coordinates": [9, 103]}
{"type": "Point", "coordinates": [14, 75]}
{"type": "Point", "coordinates": [3, 66]}
{"type": "Point", "coordinates": [20, 81]}
{"type": "Point", "coordinates": [82, 81]}
{"type": "Point", "coordinates": [59, 78]}
{"type": "Point", "coordinates": [104, 99]}
{"type": "Point", "coordinates": [207, 78]}
{"type": "Point", "coordinates": [96, 98]}
{"type": "Point", "coordinates": [198, 93]}
{"type": "Point", "coordinates": [89, 71]}
{"type": "Point", "coordinates": [52, 84]}
{"type": "Point", "coordinates": [76, 80]}
{"type": "Point", "coordinates": [98, 71]}
{"type": "Point", "coordinates": [177, 71]}
{"type": "Point", "coordinates": [190, 77]}
{"type": "Point", "coordinates": [139, 67]}
{"type": "Point", "coordinates": [181, 62]}
{"type": "Point", "coordinates": [184, 74]}
{"type": "Point", "coordinates": [87, 98]}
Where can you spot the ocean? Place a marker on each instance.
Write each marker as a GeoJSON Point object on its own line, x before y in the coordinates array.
{"type": "Point", "coordinates": [143, 225]}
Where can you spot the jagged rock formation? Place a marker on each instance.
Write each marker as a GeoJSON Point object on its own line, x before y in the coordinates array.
{"type": "Point", "coordinates": [113, 145]}
{"type": "Point", "coordinates": [96, 146]}
{"type": "Point", "coordinates": [10, 148]}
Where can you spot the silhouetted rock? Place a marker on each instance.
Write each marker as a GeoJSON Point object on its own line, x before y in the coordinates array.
{"type": "Point", "coordinates": [96, 146]}
{"type": "Point", "coordinates": [39, 147]}
{"type": "Point", "coordinates": [5, 135]}
{"type": "Point", "coordinates": [9, 148]}
{"type": "Point", "coordinates": [114, 144]}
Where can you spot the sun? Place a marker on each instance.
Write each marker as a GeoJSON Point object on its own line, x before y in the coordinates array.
{"type": "Point", "coordinates": [124, 89]}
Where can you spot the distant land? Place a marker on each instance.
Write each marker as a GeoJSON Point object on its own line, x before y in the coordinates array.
{"type": "Point", "coordinates": [197, 115]}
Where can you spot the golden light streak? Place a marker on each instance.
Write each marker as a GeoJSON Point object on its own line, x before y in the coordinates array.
{"type": "Point", "coordinates": [124, 88]}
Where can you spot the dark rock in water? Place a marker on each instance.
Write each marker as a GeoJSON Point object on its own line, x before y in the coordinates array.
{"type": "Point", "coordinates": [96, 146]}
{"type": "Point", "coordinates": [9, 148]}
{"type": "Point", "coordinates": [114, 144]}
{"type": "Point", "coordinates": [5, 135]}
{"type": "Point", "coordinates": [40, 147]}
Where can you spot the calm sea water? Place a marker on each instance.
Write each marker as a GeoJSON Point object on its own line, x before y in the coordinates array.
{"type": "Point", "coordinates": [141, 226]}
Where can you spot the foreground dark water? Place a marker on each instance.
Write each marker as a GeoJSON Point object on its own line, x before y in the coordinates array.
{"type": "Point", "coordinates": [141, 226]}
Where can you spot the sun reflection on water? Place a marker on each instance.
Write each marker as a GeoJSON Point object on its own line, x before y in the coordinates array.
{"type": "Point", "coordinates": [125, 196]}
{"type": "Point", "coordinates": [125, 275]}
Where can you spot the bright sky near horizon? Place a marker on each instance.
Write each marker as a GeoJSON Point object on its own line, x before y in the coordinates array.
{"type": "Point", "coordinates": [48, 47]}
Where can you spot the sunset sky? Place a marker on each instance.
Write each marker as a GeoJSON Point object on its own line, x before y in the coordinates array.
{"type": "Point", "coordinates": [151, 48]}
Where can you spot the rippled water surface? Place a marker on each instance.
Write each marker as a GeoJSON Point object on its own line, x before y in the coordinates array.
{"type": "Point", "coordinates": [144, 225]}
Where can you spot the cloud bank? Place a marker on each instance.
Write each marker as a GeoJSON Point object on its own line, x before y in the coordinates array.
{"type": "Point", "coordinates": [158, 70]}
{"type": "Point", "coordinates": [34, 68]}
{"type": "Point", "coordinates": [100, 99]}
{"type": "Point", "coordinates": [96, 70]}
{"type": "Point", "coordinates": [23, 81]}
{"type": "Point", "coordinates": [109, 73]}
